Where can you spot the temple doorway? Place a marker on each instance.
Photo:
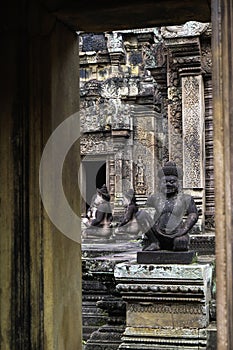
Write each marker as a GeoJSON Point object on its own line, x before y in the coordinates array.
{"type": "Point", "coordinates": [94, 176]}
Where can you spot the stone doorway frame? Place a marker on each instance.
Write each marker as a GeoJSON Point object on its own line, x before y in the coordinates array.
{"type": "Point", "coordinates": [222, 39]}
{"type": "Point", "coordinates": [42, 115]}
{"type": "Point", "coordinates": [101, 160]}
{"type": "Point", "coordinates": [222, 36]}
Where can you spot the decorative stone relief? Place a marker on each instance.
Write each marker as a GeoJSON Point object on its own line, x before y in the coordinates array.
{"type": "Point", "coordinates": [190, 28]}
{"type": "Point", "coordinates": [147, 87]}
{"type": "Point", "coordinates": [209, 156]}
{"type": "Point", "coordinates": [135, 74]}
{"type": "Point", "coordinates": [154, 55]}
{"type": "Point", "coordinates": [143, 153]}
{"type": "Point", "coordinates": [175, 123]}
{"type": "Point", "coordinates": [111, 176]}
{"type": "Point", "coordinates": [95, 144]}
{"type": "Point", "coordinates": [126, 169]}
{"type": "Point", "coordinates": [121, 119]}
{"type": "Point", "coordinates": [174, 272]}
{"type": "Point", "coordinates": [110, 88]}
{"type": "Point", "coordinates": [206, 58]}
{"type": "Point", "coordinates": [148, 55]}
{"type": "Point", "coordinates": [140, 176]}
{"type": "Point", "coordinates": [190, 291]}
{"type": "Point", "coordinates": [165, 309]}
{"type": "Point", "coordinates": [92, 42]}
{"type": "Point", "coordinates": [162, 302]}
{"type": "Point", "coordinates": [193, 128]}
{"type": "Point", "coordinates": [114, 42]}
{"type": "Point", "coordinates": [133, 87]}
{"type": "Point", "coordinates": [104, 114]}
{"type": "Point", "coordinates": [118, 173]}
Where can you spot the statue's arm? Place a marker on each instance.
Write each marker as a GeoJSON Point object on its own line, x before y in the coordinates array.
{"type": "Point", "coordinates": [191, 219]}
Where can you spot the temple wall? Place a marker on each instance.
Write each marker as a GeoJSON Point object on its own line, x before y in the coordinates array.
{"type": "Point", "coordinates": [146, 98]}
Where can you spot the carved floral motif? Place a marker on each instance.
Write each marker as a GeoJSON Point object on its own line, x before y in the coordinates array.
{"type": "Point", "coordinates": [175, 123]}
{"type": "Point", "coordinates": [192, 132]}
{"type": "Point", "coordinates": [94, 144]}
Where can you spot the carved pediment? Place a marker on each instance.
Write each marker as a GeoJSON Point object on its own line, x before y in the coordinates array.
{"type": "Point", "coordinates": [189, 29]}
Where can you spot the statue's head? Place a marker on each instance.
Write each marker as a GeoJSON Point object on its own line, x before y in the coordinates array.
{"type": "Point", "coordinates": [103, 193]}
{"type": "Point", "coordinates": [169, 176]}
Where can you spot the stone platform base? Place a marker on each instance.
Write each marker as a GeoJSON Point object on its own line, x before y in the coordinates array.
{"type": "Point", "coordinates": [167, 305]}
{"type": "Point", "coordinates": [169, 339]}
{"type": "Point", "coordinates": [165, 257]}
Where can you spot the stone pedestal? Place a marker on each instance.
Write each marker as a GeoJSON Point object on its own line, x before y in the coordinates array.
{"type": "Point", "coordinates": [167, 306]}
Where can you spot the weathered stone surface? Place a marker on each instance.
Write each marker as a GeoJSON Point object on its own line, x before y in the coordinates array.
{"type": "Point", "coordinates": [170, 339]}
{"type": "Point", "coordinates": [108, 337]}
{"type": "Point", "coordinates": [178, 272]}
{"type": "Point", "coordinates": [103, 311]}
{"type": "Point", "coordinates": [165, 257]}
{"type": "Point", "coordinates": [143, 96]}
{"type": "Point", "coordinates": [175, 314]}
{"type": "Point", "coordinates": [202, 244]}
{"type": "Point", "coordinates": [167, 306]}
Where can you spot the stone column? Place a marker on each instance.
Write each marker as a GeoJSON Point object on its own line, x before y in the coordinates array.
{"type": "Point", "coordinates": [116, 51]}
{"type": "Point", "coordinates": [118, 173]}
{"type": "Point", "coordinates": [167, 306]}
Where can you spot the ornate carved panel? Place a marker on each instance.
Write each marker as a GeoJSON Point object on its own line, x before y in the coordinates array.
{"type": "Point", "coordinates": [193, 128]}
{"type": "Point", "coordinates": [209, 156]}
{"type": "Point", "coordinates": [175, 122]}
{"type": "Point", "coordinates": [95, 144]}
{"type": "Point", "coordinates": [191, 28]}
{"type": "Point", "coordinates": [144, 151]}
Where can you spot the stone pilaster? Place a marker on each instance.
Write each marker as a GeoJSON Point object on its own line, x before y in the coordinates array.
{"type": "Point", "coordinates": [116, 50]}
{"type": "Point", "coordinates": [193, 111]}
{"type": "Point", "coordinates": [158, 69]}
{"type": "Point", "coordinates": [144, 156]}
{"type": "Point", "coordinates": [167, 306]}
{"type": "Point", "coordinates": [187, 108]}
{"type": "Point", "coordinates": [209, 157]}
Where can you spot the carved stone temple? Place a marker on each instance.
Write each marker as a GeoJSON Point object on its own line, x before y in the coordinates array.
{"type": "Point", "coordinates": [146, 97]}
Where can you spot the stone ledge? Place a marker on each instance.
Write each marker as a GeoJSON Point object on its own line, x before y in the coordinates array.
{"type": "Point", "coordinates": [165, 257]}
